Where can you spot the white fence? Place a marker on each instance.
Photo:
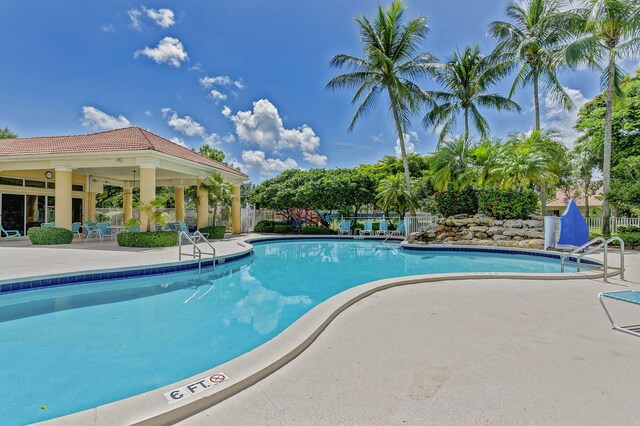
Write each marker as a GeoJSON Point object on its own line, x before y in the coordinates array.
{"type": "Point", "coordinates": [595, 223]}
{"type": "Point", "coordinates": [414, 223]}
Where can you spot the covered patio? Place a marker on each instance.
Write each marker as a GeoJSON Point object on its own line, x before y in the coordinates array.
{"type": "Point", "coordinates": [57, 178]}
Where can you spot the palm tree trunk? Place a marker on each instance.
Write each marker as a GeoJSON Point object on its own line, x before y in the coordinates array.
{"type": "Point", "coordinates": [606, 166]}
{"type": "Point", "coordinates": [403, 151]}
{"type": "Point", "coordinates": [215, 212]}
{"type": "Point", "coordinates": [587, 184]}
{"type": "Point", "coordinates": [466, 124]}
{"type": "Point", "coordinates": [536, 104]}
{"type": "Point", "coordinates": [536, 101]}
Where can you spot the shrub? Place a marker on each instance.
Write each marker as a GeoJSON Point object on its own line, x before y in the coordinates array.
{"type": "Point", "coordinates": [625, 229]}
{"type": "Point", "coordinates": [215, 232]}
{"type": "Point", "coordinates": [631, 239]}
{"type": "Point", "coordinates": [269, 226]}
{"type": "Point", "coordinates": [49, 236]}
{"type": "Point", "coordinates": [284, 229]}
{"type": "Point", "coordinates": [507, 204]}
{"type": "Point", "coordinates": [317, 230]}
{"type": "Point", "coordinates": [450, 203]}
{"type": "Point", "coordinates": [148, 239]}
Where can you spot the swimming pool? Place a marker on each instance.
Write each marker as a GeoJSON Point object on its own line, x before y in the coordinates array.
{"type": "Point", "coordinates": [66, 349]}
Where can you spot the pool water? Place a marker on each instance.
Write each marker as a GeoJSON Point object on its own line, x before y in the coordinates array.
{"type": "Point", "coordinates": [66, 349]}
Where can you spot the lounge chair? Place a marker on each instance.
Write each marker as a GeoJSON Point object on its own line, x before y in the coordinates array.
{"type": "Point", "coordinates": [91, 230]}
{"type": "Point", "coordinates": [384, 227]}
{"type": "Point", "coordinates": [628, 296]}
{"type": "Point", "coordinates": [368, 228]}
{"type": "Point", "coordinates": [183, 227]}
{"type": "Point", "coordinates": [399, 229]}
{"type": "Point", "coordinates": [345, 227]}
{"type": "Point", "coordinates": [105, 229]}
{"type": "Point", "coordinates": [75, 228]}
{"type": "Point", "coordinates": [9, 233]}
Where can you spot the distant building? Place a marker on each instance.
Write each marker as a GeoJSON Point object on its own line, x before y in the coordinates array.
{"type": "Point", "coordinates": [557, 205]}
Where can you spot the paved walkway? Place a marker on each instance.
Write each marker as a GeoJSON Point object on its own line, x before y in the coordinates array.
{"type": "Point", "coordinates": [466, 352]}
{"type": "Point", "coordinates": [21, 259]}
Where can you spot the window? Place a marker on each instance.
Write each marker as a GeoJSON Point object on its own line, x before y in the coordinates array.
{"type": "Point", "coordinates": [77, 188]}
{"type": "Point", "coordinates": [34, 183]}
{"type": "Point", "coordinates": [51, 185]}
{"type": "Point", "coordinates": [11, 181]}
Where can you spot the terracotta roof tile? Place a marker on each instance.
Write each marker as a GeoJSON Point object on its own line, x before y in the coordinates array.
{"type": "Point", "coordinates": [562, 198]}
{"type": "Point", "coordinates": [127, 139]}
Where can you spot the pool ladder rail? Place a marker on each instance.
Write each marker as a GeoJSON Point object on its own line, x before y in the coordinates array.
{"type": "Point", "coordinates": [197, 251]}
{"type": "Point", "coordinates": [586, 249]}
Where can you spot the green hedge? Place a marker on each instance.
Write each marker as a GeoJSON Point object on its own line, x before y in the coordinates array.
{"type": "Point", "coordinates": [215, 232]}
{"type": "Point", "coordinates": [631, 239]}
{"type": "Point", "coordinates": [148, 239]}
{"type": "Point", "coordinates": [626, 229]}
{"type": "Point", "coordinates": [450, 203]}
{"type": "Point", "coordinates": [269, 226]}
{"type": "Point", "coordinates": [284, 229]}
{"type": "Point", "coordinates": [507, 204]}
{"type": "Point", "coordinates": [317, 230]}
{"type": "Point", "coordinates": [49, 236]}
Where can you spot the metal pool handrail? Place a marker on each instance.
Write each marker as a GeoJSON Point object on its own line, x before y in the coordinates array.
{"type": "Point", "coordinates": [603, 243]}
{"type": "Point", "coordinates": [197, 252]}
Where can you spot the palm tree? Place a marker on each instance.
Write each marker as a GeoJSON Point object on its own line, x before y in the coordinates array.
{"type": "Point", "coordinates": [152, 210]}
{"type": "Point", "coordinates": [583, 163]}
{"type": "Point", "coordinates": [485, 158]}
{"type": "Point", "coordinates": [451, 164]}
{"type": "Point", "coordinates": [390, 64]}
{"type": "Point", "coordinates": [534, 40]}
{"type": "Point", "coordinates": [219, 193]}
{"type": "Point", "coordinates": [466, 77]}
{"type": "Point", "coordinates": [393, 195]}
{"type": "Point", "coordinates": [613, 33]}
{"type": "Point", "coordinates": [531, 159]}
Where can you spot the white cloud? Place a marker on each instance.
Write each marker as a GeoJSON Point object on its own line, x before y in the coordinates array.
{"type": "Point", "coordinates": [169, 50]}
{"type": "Point", "coordinates": [410, 140]}
{"type": "Point", "coordinates": [216, 139]}
{"type": "Point", "coordinates": [148, 113]}
{"type": "Point", "coordinates": [257, 161]}
{"type": "Point", "coordinates": [558, 118]}
{"type": "Point", "coordinates": [185, 125]}
{"type": "Point", "coordinates": [220, 80]}
{"type": "Point", "coordinates": [178, 141]}
{"type": "Point", "coordinates": [162, 17]}
{"type": "Point", "coordinates": [197, 67]}
{"type": "Point", "coordinates": [134, 17]}
{"type": "Point", "coordinates": [94, 118]}
{"type": "Point", "coordinates": [108, 28]}
{"type": "Point", "coordinates": [226, 111]}
{"type": "Point", "coordinates": [263, 127]}
{"type": "Point", "coordinates": [379, 138]}
{"type": "Point", "coordinates": [217, 96]}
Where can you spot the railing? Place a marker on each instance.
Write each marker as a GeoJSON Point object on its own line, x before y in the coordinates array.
{"type": "Point", "coordinates": [595, 223]}
{"type": "Point", "coordinates": [414, 223]}
{"type": "Point", "coordinates": [603, 243]}
{"type": "Point", "coordinates": [197, 251]}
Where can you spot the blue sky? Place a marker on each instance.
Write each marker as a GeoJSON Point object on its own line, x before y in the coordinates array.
{"type": "Point", "coordinates": [246, 76]}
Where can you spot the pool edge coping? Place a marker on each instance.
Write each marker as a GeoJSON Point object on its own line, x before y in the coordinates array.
{"type": "Point", "coordinates": [151, 408]}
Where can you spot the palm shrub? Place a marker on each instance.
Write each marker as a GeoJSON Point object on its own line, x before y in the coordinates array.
{"type": "Point", "coordinates": [153, 211]}
{"type": "Point", "coordinates": [389, 65]}
{"type": "Point", "coordinates": [220, 195]}
{"type": "Point", "coordinates": [451, 164]}
{"type": "Point", "coordinates": [393, 195]}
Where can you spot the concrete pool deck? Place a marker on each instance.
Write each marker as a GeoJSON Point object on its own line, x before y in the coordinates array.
{"type": "Point", "coordinates": [469, 351]}
{"type": "Point", "coordinates": [459, 352]}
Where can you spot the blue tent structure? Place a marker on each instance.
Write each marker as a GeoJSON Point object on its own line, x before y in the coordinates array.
{"type": "Point", "coordinates": [574, 231]}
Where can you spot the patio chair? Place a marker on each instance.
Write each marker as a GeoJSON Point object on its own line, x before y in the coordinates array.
{"type": "Point", "coordinates": [345, 227]}
{"type": "Point", "coordinates": [368, 228]}
{"type": "Point", "coordinates": [92, 230]}
{"type": "Point", "coordinates": [172, 226]}
{"type": "Point", "coordinates": [384, 227]}
{"type": "Point", "coordinates": [75, 228]}
{"type": "Point", "coordinates": [400, 229]}
{"type": "Point", "coordinates": [9, 233]}
{"type": "Point", "coordinates": [48, 225]}
{"type": "Point", "coordinates": [105, 229]}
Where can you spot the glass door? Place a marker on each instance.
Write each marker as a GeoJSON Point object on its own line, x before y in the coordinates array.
{"type": "Point", "coordinates": [12, 212]}
{"type": "Point", "coordinates": [35, 211]}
